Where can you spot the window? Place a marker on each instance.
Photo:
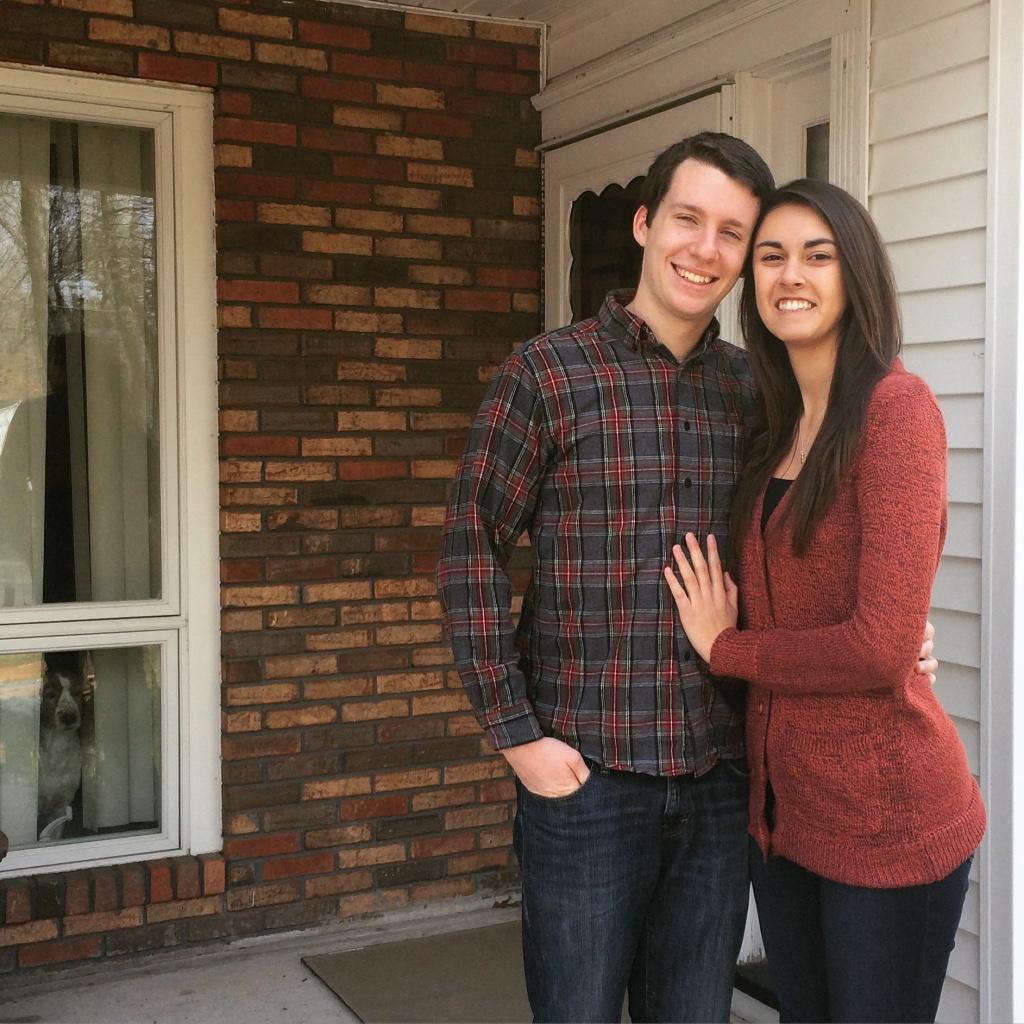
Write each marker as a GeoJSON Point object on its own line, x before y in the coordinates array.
{"type": "Point", "coordinates": [108, 641]}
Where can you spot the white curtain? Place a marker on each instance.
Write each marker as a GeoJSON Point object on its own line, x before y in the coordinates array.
{"type": "Point", "coordinates": [119, 369]}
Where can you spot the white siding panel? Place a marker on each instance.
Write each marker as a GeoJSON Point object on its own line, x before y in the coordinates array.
{"type": "Point", "coordinates": [958, 585]}
{"type": "Point", "coordinates": [959, 636]}
{"type": "Point", "coordinates": [931, 48]}
{"type": "Point", "coordinates": [970, 919]}
{"type": "Point", "coordinates": [964, 416]}
{"type": "Point", "coordinates": [952, 314]}
{"type": "Point", "coordinates": [934, 209]}
{"type": "Point", "coordinates": [949, 151]}
{"type": "Point", "coordinates": [963, 537]}
{"type": "Point", "coordinates": [891, 16]}
{"type": "Point", "coordinates": [942, 99]}
{"type": "Point", "coordinates": [955, 685]}
{"type": "Point", "coordinates": [950, 367]}
{"type": "Point", "coordinates": [941, 262]}
{"type": "Point", "coordinates": [959, 1003]}
{"type": "Point", "coordinates": [965, 476]}
{"type": "Point", "coordinates": [964, 961]}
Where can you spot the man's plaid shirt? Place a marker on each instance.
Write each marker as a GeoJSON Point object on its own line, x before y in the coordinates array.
{"type": "Point", "coordinates": [607, 450]}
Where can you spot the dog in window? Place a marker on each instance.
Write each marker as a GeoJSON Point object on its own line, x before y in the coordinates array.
{"type": "Point", "coordinates": [64, 697]}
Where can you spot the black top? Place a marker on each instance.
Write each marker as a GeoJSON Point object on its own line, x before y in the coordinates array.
{"type": "Point", "coordinates": [777, 487]}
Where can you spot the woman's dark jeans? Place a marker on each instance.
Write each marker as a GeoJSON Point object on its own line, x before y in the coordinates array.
{"type": "Point", "coordinates": [634, 882]}
{"type": "Point", "coordinates": [848, 953]}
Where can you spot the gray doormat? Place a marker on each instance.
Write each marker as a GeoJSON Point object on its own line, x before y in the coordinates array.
{"type": "Point", "coordinates": [475, 975]}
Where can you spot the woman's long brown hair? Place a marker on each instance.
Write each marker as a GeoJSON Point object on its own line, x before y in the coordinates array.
{"type": "Point", "coordinates": [870, 338]}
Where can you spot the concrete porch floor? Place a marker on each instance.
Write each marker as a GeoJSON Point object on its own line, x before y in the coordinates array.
{"type": "Point", "coordinates": [259, 980]}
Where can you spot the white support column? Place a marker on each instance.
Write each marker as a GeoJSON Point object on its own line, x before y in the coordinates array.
{"type": "Point", "coordinates": [1002, 723]}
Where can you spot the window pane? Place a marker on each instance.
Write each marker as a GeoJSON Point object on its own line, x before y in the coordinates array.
{"type": "Point", "coordinates": [79, 744]}
{"type": "Point", "coordinates": [79, 445]}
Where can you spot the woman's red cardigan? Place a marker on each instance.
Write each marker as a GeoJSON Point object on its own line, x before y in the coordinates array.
{"type": "Point", "coordinates": [870, 778]}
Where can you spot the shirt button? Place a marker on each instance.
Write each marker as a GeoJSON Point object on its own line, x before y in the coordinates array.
{"type": "Point", "coordinates": [687, 483]}
{"type": "Point", "coordinates": [686, 655]}
{"type": "Point", "coordinates": [686, 424]}
{"type": "Point", "coordinates": [760, 707]}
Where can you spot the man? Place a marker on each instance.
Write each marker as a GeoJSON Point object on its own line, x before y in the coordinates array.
{"type": "Point", "coordinates": [608, 441]}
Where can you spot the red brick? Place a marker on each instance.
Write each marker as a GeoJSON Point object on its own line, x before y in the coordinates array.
{"type": "Point", "coordinates": [235, 210]}
{"type": "Point", "coordinates": [212, 865]}
{"type": "Point", "coordinates": [159, 881]}
{"type": "Point", "coordinates": [321, 88]}
{"type": "Point", "coordinates": [438, 846]}
{"type": "Point", "coordinates": [438, 74]}
{"type": "Point", "coordinates": [262, 846]}
{"type": "Point", "coordinates": [186, 878]}
{"type": "Point", "coordinates": [177, 69]}
{"type": "Point", "coordinates": [257, 291]}
{"type": "Point", "coordinates": [508, 277]}
{"type": "Point", "coordinates": [236, 129]}
{"type": "Point", "coordinates": [350, 881]}
{"type": "Point", "coordinates": [481, 53]}
{"type": "Point", "coordinates": [379, 168]}
{"type": "Point", "coordinates": [18, 904]}
{"type": "Point", "coordinates": [60, 952]}
{"type": "Point", "coordinates": [290, 867]}
{"type": "Point", "coordinates": [499, 81]}
{"type": "Point", "coordinates": [373, 470]}
{"type": "Point", "coordinates": [424, 122]}
{"type": "Point", "coordinates": [133, 885]}
{"type": "Point", "coordinates": [345, 36]}
{"type": "Point", "coordinates": [297, 319]}
{"type": "Point", "coordinates": [260, 444]}
{"type": "Point", "coordinates": [76, 896]}
{"type": "Point", "coordinates": [123, 7]}
{"type": "Point", "coordinates": [336, 191]}
{"type": "Point", "coordinates": [336, 139]}
{"type": "Point", "coordinates": [104, 890]}
{"type": "Point", "coordinates": [479, 861]}
{"type": "Point", "coordinates": [373, 807]}
{"type": "Point", "coordinates": [266, 186]}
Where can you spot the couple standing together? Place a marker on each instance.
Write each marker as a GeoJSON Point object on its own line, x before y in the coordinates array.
{"type": "Point", "coordinates": [656, 708]}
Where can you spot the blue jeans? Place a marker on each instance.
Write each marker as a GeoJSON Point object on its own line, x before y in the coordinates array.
{"type": "Point", "coordinates": [847, 953]}
{"type": "Point", "coordinates": [638, 883]}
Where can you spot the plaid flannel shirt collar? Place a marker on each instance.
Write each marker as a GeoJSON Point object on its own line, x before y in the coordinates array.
{"type": "Point", "coordinates": [624, 324]}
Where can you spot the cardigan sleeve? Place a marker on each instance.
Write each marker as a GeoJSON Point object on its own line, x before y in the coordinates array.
{"type": "Point", "coordinates": [901, 498]}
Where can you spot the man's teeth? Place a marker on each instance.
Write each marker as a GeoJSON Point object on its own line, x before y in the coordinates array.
{"type": "Point", "coordinates": [688, 275]}
{"type": "Point", "coordinates": [794, 304]}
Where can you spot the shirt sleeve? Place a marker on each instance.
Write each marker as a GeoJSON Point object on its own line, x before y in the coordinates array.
{"type": "Point", "coordinates": [493, 501]}
{"type": "Point", "coordinates": [901, 497]}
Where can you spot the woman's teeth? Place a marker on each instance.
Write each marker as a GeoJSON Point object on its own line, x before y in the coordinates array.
{"type": "Point", "coordinates": [791, 305]}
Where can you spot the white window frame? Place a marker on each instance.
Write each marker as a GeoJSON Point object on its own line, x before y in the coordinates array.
{"type": "Point", "coordinates": [184, 620]}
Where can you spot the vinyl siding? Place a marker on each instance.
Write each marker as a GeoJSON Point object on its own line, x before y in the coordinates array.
{"type": "Point", "coordinates": [928, 194]}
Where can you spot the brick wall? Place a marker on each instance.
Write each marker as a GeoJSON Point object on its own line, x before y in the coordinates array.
{"type": "Point", "coordinates": [378, 247]}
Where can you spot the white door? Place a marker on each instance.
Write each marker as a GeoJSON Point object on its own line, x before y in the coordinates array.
{"type": "Point", "coordinates": [597, 168]}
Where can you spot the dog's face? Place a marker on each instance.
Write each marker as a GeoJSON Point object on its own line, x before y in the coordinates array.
{"type": "Point", "coordinates": [62, 701]}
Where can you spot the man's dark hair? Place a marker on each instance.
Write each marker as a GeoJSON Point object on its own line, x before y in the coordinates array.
{"type": "Point", "coordinates": [733, 157]}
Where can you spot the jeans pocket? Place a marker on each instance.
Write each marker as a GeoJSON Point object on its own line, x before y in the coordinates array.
{"type": "Point", "coordinates": [736, 767]}
{"type": "Point", "coordinates": [565, 798]}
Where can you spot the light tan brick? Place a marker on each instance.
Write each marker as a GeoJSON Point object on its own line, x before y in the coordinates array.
{"type": "Point", "coordinates": [440, 703]}
{"type": "Point", "coordinates": [525, 206]}
{"type": "Point", "coordinates": [372, 710]}
{"type": "Point", "coordinates": [247, 24]}
{"type": "Point", "coordinates": [409, 348]}
{"type": "Point", "coordinates": [339, 640]}
{"type": "Point", "coordinates": [371, 420]}
{"type": "Point", "coordinates": [440, 420]}
{"type": "Point", "coordinates": [274, 693]}
{"type": "Point", "coordinates": [293, 56]}
{"type": "Point", "coordinates": [32, 931]}
{"type": "Point", "coordinates": [409, 146]}
{"type": "Point", "coordinates": [407, 298]}
{"type": "Point", "coordinates": [449, 796]}
{"type": "Point", "coordinates": [242, 721]}
{"type": "Point", "coordinates": [409, 682]}
{"type": "Point", "coordinates": [408, 248]}
{"type": "Point", "coordinates": [337, 446]}
{"type": "Point", "coordinates": [254, 597]}
{"type": "Point", "coordinates": [129, 34]}
{"type": "Point", "coordinates": [424, 224]}
{"type": "Point", "coordinates": [298, 718]}
{"type": "Point", "coordinates": [293, 213]}
{"type": "Point", "coordinates": [383, 372]}
{"type": "Point", "coordinates": [177, 909]}
{"type": "Point", "coordinates": [337, 242]}
{"type": "Point", "coordinates": [242, 622]}
{"type": "Point", "coordinates": [228, 155]}
{"type": "Point", "coordinates": [503, 32]}
{"type": "Point", "coordinates": [338, 294]}
{"type": "Point", "coordinates": [440, 275]}
{"type": "Point", "coordinates": [390, 853]}
{"type": "Point", "coordinates": [354, 590]}
{"type": "Point", "coordinates": [386, 782]}
{"type": "Point", "coordinates": [410, 96]}
{"type": "Point", "coordinates": [212, 46]}
{"type": "Point", "coordinates": [430, 469]}
{"type": "Point", "coordinates": [327, 789]}
{"type": "Point", "coordinates": [405, 397]}
{"type": "Point", "coordinates": [367, 323]}
{"type": "Point", "coordinates": [440, 174]}
{"type": "Point", "coordinates": [241, 522]}
{"type": "Point", "coordinates": [410, 198]}
{"type": "Point", "coordinates": [366, 117]}
{"type": "Point", "coordinates": [437, 24]}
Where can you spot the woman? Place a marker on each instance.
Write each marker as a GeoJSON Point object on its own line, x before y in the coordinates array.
{"type": "Point", "coordinates": [863, 813]}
